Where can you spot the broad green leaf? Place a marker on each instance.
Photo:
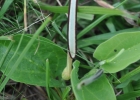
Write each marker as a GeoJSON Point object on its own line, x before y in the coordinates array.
{"type": "Point", "coordinates": [123, 40]}
{"type": "Point", "coordinates": [110, 50]}
{"type": "Point", "coordinates": [32, 69]}
{"type": "Point", "coordinates": [98, 90]}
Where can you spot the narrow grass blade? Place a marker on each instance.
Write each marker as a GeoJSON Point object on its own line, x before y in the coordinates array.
{"type": "Point", "coordinates": [47, 78]}
{"type": "Point", "coordinates": [81, 9]}
{"type": "Point", "coordinates": [102, 37]}
{"type": "Point", "coordinates": [6, 53]}
{"type": "Point", "coordinates": [55, 94]}
{"type": "Point", "coordinates": [5, 6]}
{"type": "Point", "coordinates": [66, 92]}
{"type": "Point", "coordinates": [129, 95]}
{"type": "Point", "coordinates": [85, 16]}
{"type": "Point", "coordinates": [92, 25]}
{"type": "Point", "coordinates": [129, 75]}
{"type": "Point", "coordinates": [4, 57]}
{"type": "Point", "coordinates": [19, 44]}
{"type": "Point", "coordinates": [57, 29]}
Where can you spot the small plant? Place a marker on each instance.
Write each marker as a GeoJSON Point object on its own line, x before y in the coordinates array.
{"type": "Point", "coordinates": [103, 66]}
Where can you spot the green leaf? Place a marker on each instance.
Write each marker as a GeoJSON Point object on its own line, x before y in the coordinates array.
{"type": "Point", "coordinates": [81, 9]}
{"type": "Point", "coordinates": [97, 39]}
{"type": "Point", "coordinates": [5, 6]}
{"type": "Point", "coordinates": [98, 90]}
{"type": "Point", "coordinates": [133, 74]}
{"type": "Point", "coordinates": [32, 69]}
{"type": "Point", "coordinates": [85, 16]}
{"type": "Point", "coordinates": [125, 83]}
{"type": "Point", "coordinates": [6, 38]}
{"type": "Point", "coordinates": [129, 95]}
{"type": "Point", "coordinates": [47, 78]}
{"type": "Point", "coordinates": [110, 51]}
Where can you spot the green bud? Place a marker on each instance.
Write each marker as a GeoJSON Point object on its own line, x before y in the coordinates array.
{"type": "Point", "coordinates": [67, 70]}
